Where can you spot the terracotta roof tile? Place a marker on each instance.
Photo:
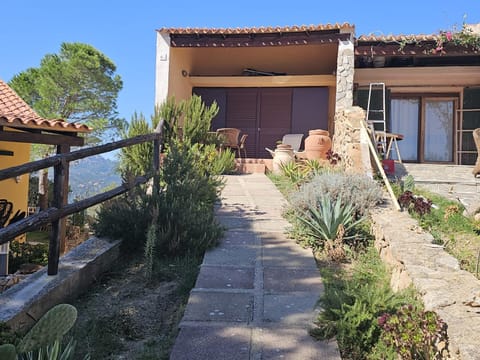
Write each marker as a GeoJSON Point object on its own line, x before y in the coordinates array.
{"type": "Point", "coordinates": [397, 38]}
{"type": "Point", "coordinates": [256, 30]}
{"type": "Point", "coordinates": [15, 112]}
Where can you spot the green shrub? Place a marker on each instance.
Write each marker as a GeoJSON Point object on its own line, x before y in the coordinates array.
{"type": "Point", "coordinates": [150, 244]}
{"type": "Point", "coordinates": [23, 253]}
{"type": "Point", "coordinates": [180, 217]}
{"type": "Point", "coordinates": [136, 159]}
{"type": "Point", "coordinates": [197, 119]}
{"type": "Point", "coordinates": [186, 215]}
{"type": "Point", "coordinates": [352, 305]}
{"type": "Point", "coordinates": [216, 162]}
{"type": "Point", "coordinates": [126, 217]}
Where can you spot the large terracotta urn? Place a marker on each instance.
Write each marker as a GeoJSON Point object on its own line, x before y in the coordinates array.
{"type": "Point", "coordinates": [283, 155]}
{"type": "Point", "coordinates": [317, 144]}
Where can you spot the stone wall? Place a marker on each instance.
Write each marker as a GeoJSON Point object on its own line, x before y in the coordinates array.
{"type": "Point", "coordinates": [345, 72]}
{"type": "Point", "coordinates": [454, 294]}
{"type": "Point", "coordinates": [349, 142]}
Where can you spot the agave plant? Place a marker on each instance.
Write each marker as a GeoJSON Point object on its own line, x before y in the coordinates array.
{"type": "Point", "coordinates": [329, 219]}
{"type": "Point", "coordinates": [53, 351]}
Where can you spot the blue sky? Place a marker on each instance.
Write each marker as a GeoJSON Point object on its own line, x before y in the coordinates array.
{"type": "Point", "coordinates": [125, 30]}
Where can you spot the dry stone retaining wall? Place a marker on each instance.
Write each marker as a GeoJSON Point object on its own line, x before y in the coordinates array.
{"type": "Point", "coordinates": [454, 294]}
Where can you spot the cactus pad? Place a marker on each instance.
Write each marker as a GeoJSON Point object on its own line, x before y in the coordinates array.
{"type": "Point", "coordinates": [8, 352]}
{"type": "Point", "coordinates": [52, 326]}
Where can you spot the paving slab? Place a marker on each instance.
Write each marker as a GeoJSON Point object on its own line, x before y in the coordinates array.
{"type": "Point", "coordinates": [270, 225]}
{"type": "Point", "coordinates": [294, 343]}
{"type": "Point", "coordinates": [236, 200]}
{"type": "Point", "coordinates": [287, 255]}
{"type": "Point", "coordinates": [293, 309]}
{"type": "Point", "coordinates": [280, 280]}
{"type": "Point", "coordinates": [221, 277]}
{"type": "Point", "coordinates": [238, 238]}
{"type": "Point", "coordinates": [231, 255]}
{"type": "Point", "coordinates": [200, 343]}
{"type": "Point", "coordinates": [236, 222]}
{"type": "Point", "coordinates": [218, 306]}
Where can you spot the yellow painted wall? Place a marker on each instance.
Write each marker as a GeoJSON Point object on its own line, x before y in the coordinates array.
{"type": "Point", "coordinates": [179, 85]}
{"type": "Point", "coordinates": [10, 189]}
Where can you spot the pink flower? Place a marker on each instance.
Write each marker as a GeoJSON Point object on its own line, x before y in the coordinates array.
{"type": "Point", "coordinates": [449, 35]}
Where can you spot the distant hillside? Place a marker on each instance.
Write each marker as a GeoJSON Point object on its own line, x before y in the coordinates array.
{"type": "Point", "coordinates": [92, 175]}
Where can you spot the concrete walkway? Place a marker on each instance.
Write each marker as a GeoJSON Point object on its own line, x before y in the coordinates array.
{"type": "Point", "coordinates": [256, 293]}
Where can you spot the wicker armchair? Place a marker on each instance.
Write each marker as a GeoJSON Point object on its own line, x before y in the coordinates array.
{"type": "Point", "coordinates": [230, 137]}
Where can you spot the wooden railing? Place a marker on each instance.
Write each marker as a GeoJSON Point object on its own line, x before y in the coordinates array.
{"type": "Point", "coordinates": [60, 209]}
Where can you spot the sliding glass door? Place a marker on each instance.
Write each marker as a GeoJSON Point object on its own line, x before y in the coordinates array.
{"type": "Point", "coordinates": [439, 125]}
{"type": "Point", "coordinates": [405, 121]}
{"type": "Point", "coordinates": [427, 125]}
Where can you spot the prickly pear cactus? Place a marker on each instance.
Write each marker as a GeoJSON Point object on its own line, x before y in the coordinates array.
{"type": "Point", "coordinates": [8, 352]}
{"type": "Point", "coordinates": [52, 326]}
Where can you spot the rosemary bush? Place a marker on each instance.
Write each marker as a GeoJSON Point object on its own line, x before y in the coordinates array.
{"type": "Point", "coordinates": [180, 218]}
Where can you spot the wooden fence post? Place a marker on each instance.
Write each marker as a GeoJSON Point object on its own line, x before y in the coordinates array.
{"type": "Point", "coordinates": [60, 192]}
{"type": "Point", "coordinates": [157, 150]}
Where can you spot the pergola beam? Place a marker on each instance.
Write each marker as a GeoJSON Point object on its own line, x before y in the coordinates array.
{"type": "Point", "coordinates": [257, 40]}
{"type": "Point", "coordinates": [41, 138]}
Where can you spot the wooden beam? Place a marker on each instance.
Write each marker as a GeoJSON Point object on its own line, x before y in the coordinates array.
{"type": "Point", "coordinates": [257, 40]}
{"type": "Point", "coordinates": [26, 137]}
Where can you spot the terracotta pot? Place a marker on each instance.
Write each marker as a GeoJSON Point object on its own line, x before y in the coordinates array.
{"type": "Point", "coordinates": [283, 155]}
{"type": "Point", "coordinates": [317, 144]}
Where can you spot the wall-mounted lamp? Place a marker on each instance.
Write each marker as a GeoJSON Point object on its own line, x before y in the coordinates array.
{"type": "Point", "coordinates": [184, 73]}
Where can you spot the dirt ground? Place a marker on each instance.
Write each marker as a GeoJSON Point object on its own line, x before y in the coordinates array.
{"type": "Point", "coordinates": [125, 317]}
